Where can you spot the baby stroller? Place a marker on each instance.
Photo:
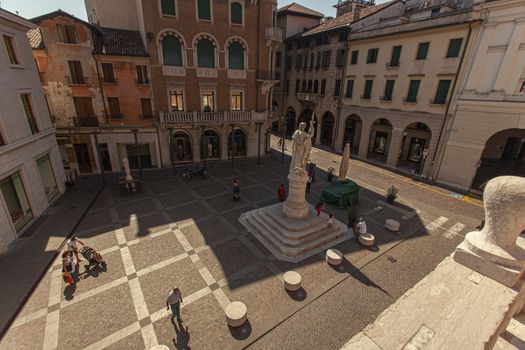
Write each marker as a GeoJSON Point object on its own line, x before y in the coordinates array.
{"type": "Point", "coordinates": [93, 258]}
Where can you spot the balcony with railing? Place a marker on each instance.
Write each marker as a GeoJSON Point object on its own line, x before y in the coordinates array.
{"type": "Point", "coordinates": [85, 121]}
{"type": "Point", "coordinates": [211, 117]}
{"type": "Point", "coordinates": [274, 35]}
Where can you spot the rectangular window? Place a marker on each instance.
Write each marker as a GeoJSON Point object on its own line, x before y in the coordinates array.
{"type": "Point", "coordinates": [168, 7]}
{"type": "Point", "coordinates": [142, 74]}
{"type": "Point", "coordinates": [323, 87]}
{"type": "Point", "coordinates": [48, 177]}
{"type": "Point", "coordinates": [372, 55]}
{"type": "Point", "coordinates": [107, 72]}
{"type": "Point", "coordinates": [305, 63]}
{"type": "Point", "coordinates": [30, 115]}
{"type": "Point", "coordinates": [389, 89]}
{"type": "Point", "coordinates": [367, 94]}
{"type": "Point", "coordinates": [67, 33]}
{"type": "Point", "coordinates": [289, 63]}
{"type": "Point", "coordinates": [422, 51]}
{"type": "Point", "coordinates": [16, 201]}
{"type": "Point", "coordinates": [77, 77]}
{"type": "Point", "coordinates": [287, 86]}
{"type": "Point", "coordinates": [442, 92]}
{"type": "Point", "coordinates": [297, 85]}
{"type": "Point", "coordinates": [343, 36]}
{"type": "Point", "coordinates": [85, 114]}
{"type": "Point", "coordinates": [145, 106]}
{"type": "Point", "coordinates": [278, 57]}
{"type": "Point", "coordinates": [319, 58]}
{"type": "Point", "coordinates": [298, 62]}
{"type": "Point", "coordinates": [236, 13]}
{"type": "Point", "coordinates": [114, 108]}
{"type": "Point", "coordinates": [355, 56]}
{"type": "Point", "coordinates": [337, 88]}
{"type": "Point", "coordinates": [208, 101]}
{"type": "Point", "coordinates": [340, 58]}
{"type": "Point", "coordinates": [316, 86]}
{"type": "Point", "coordinates": [312, 61]}
{"type": "Point", "coordinates": [204, 9]}
{"type": "Point", "coordinates": [236, 101]}
{"type": "Point", "coordinates": [454, 47]}
{"type": "Point", "coordinates": [412, 91]}
{"type": "Point", "coordinates": [396, 54]}
{"type": "Point", "coordinates": [11, 52]}
{"type": "Point", "coordinates": [177, 100]}
{"type": "Point", "coordinates": [326, 59]}
{"type": "Point", "coordinates": [349, 88]}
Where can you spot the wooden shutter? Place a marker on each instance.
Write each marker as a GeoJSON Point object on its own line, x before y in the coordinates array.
{"type": "Point", "coordinates": [114, 107]}
{"type": "Point", "coordinates": [145, 105]}
{"type": "Point", "coordinates": [107, 71]}
{"type": "Point", "coordinates": [71, 33]}
{"type": "Point", "coordinates": [76, 72]}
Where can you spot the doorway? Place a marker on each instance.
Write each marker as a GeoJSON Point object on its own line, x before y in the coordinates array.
{"type": "Point", "coordinates": [83, 159]}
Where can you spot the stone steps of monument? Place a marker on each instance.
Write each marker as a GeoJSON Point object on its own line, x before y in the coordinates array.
{"type": "Point", "coordinates": [301, 229]}
{"type": "Point", "coordinates": [293, 238]}
{"type": "Point", "coordinates": [514, 336]}
{"type": "Point", "coordinates": [287, 253]}
{"type": "Point", "coordinates": [289, 234]}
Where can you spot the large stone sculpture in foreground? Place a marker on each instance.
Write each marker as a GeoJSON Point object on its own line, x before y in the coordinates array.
{"type": "Point", "coordinates": [470, 298]}
{"type": "Point", "coordinates": [292, 231]}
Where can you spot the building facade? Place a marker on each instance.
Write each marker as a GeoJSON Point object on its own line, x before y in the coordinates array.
{"type": "Point", "coordinates": [402, 69]}
{"type": "Point", "coordinates": [212, 68]}
{"type": "Point", "coordinates": [98, 89]}
{"type": "Point", "coordinates": [486, 137]}
{"type": "Point", "coordinates": [31, 173]}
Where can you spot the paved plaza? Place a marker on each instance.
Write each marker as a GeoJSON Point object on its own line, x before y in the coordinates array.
{"type": "Point", "coordinates": [187, 234]}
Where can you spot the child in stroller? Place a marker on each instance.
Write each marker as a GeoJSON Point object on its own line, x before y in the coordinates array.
{"type": "Point", "coordinates": [93, 258]}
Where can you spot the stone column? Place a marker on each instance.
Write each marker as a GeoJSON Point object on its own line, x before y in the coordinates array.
{"type": "Point", "coordinates": [366, 128]}
{"type": "Point", "coordinates": [296, 206]}
{"type": "Point", "coordinates": [394, 149]}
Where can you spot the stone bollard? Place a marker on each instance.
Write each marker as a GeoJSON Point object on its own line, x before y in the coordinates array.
{"type": "Point", "coordinates": [498, 250]}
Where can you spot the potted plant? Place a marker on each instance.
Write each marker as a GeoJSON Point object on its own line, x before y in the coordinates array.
{"type": "Point", "coordinates": [330, 174]}
{"type": "Point", "coordinates": [391, 194]}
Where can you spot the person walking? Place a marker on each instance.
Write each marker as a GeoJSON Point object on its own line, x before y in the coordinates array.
{"type": "Point", "coordinates": [173, 302]}
{"type": "Point", "coordinates": [360, 227]}
{"type": "Point", "coordinates": [319, 207]}
{"type": "Point", "coordinates": [236, 190]}
{"type": "Point", "coordinates": [71, 246]}
{"type": "Point", "coordinates": [281, 193]}
{"type": "Point", "coordinates": [69, 271]}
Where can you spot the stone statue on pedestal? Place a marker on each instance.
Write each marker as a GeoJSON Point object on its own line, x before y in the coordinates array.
{"type": "Point", "coordinates": [301, 148]}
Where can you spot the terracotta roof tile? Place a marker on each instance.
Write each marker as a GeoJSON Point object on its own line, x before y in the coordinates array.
{"type": "Point", "coordinates": [299, 9]}
{"type": "Point", "coordinates": [118, 42]}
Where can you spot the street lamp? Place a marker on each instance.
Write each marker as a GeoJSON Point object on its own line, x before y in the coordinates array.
{"type": "Point", "coordinates": [233, 126]}
{"type": "Point", "coordinates": [97, 146]}
{"type": "Point", "coordinates": [172, 158]}
{"type": "Point", "coordinates": [135, 135]}
{"type": "Point", "coordinates": [202, 146]}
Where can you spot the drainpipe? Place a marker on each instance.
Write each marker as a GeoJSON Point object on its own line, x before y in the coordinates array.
{"type": "Point", "coordinates": [441, 131]}
{"type": "Point", "coordinates": [341, 90]}
{"type": "Point", "coordinates": [101, 89]}
{"type": "Point", "coordinates": [257, 59]}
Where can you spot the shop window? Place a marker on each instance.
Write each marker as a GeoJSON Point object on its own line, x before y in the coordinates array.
{"type": "Point", "coordinates": [48, 177]}
{"type": "Point", "coordinates": [30, 115]}
{"type": "Point", "coordinates": [235, 56]}
{"type": "Point", "coordinates": [204, 10]}
{"type": "Point", "coordinates": [177, 100]}
{"type": "Point", "coordinates": [210, 145]}
{"type": "Point", "coordinates": [205, 54]}
{"type": "Point", "coordinates": [9, 42]}
{"type": "Point", "coordinates": [67, 33]}
{"type": "Point", "coordinates": [171, 51]}
{"type": "Point", "coordinates": [168, 7]}
{"type": "Point", "coordinates": [236, 13]}
{"type": "Point", "coordinates": [237, 143]}
{"type": "Point", "coordinates": [237, 101]}
{"type": "Point", "coordinates": [16, 201]}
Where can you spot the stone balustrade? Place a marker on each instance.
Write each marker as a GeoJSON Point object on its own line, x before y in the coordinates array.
{"type": "Point", "coordinates": [211, 117]}
{"type": "Point", "coordinates": [470, 298]}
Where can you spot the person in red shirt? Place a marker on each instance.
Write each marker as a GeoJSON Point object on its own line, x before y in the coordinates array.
{"type": "Point", "coordinates": [281, 193]}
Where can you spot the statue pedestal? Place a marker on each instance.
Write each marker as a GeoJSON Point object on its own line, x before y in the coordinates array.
{"type": "Point", "coordinates": [296, 206]}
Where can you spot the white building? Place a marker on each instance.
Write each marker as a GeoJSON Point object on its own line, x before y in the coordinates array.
{"type": "Point", "coordinates": [31, 172]}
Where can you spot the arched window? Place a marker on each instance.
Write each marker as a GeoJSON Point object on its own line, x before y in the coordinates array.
{"type": "Point", "coordinates": [171, 51]}
{"type": "Point", "coordinates": [236, 13]}
{"type": "Point", "coordinates": [205, 54]}
{"type": "Point", "coordinates": [236, 56]}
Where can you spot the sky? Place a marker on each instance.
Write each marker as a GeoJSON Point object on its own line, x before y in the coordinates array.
{"type": "Point", "coordinates": [34, 8]}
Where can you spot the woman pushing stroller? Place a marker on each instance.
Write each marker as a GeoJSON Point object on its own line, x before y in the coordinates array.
{"type": "Point", "coordinates": [93, 257]}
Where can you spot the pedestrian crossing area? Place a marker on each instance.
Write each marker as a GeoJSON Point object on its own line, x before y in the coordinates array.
{"type": "Point", "coordinates": [446, 227]}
